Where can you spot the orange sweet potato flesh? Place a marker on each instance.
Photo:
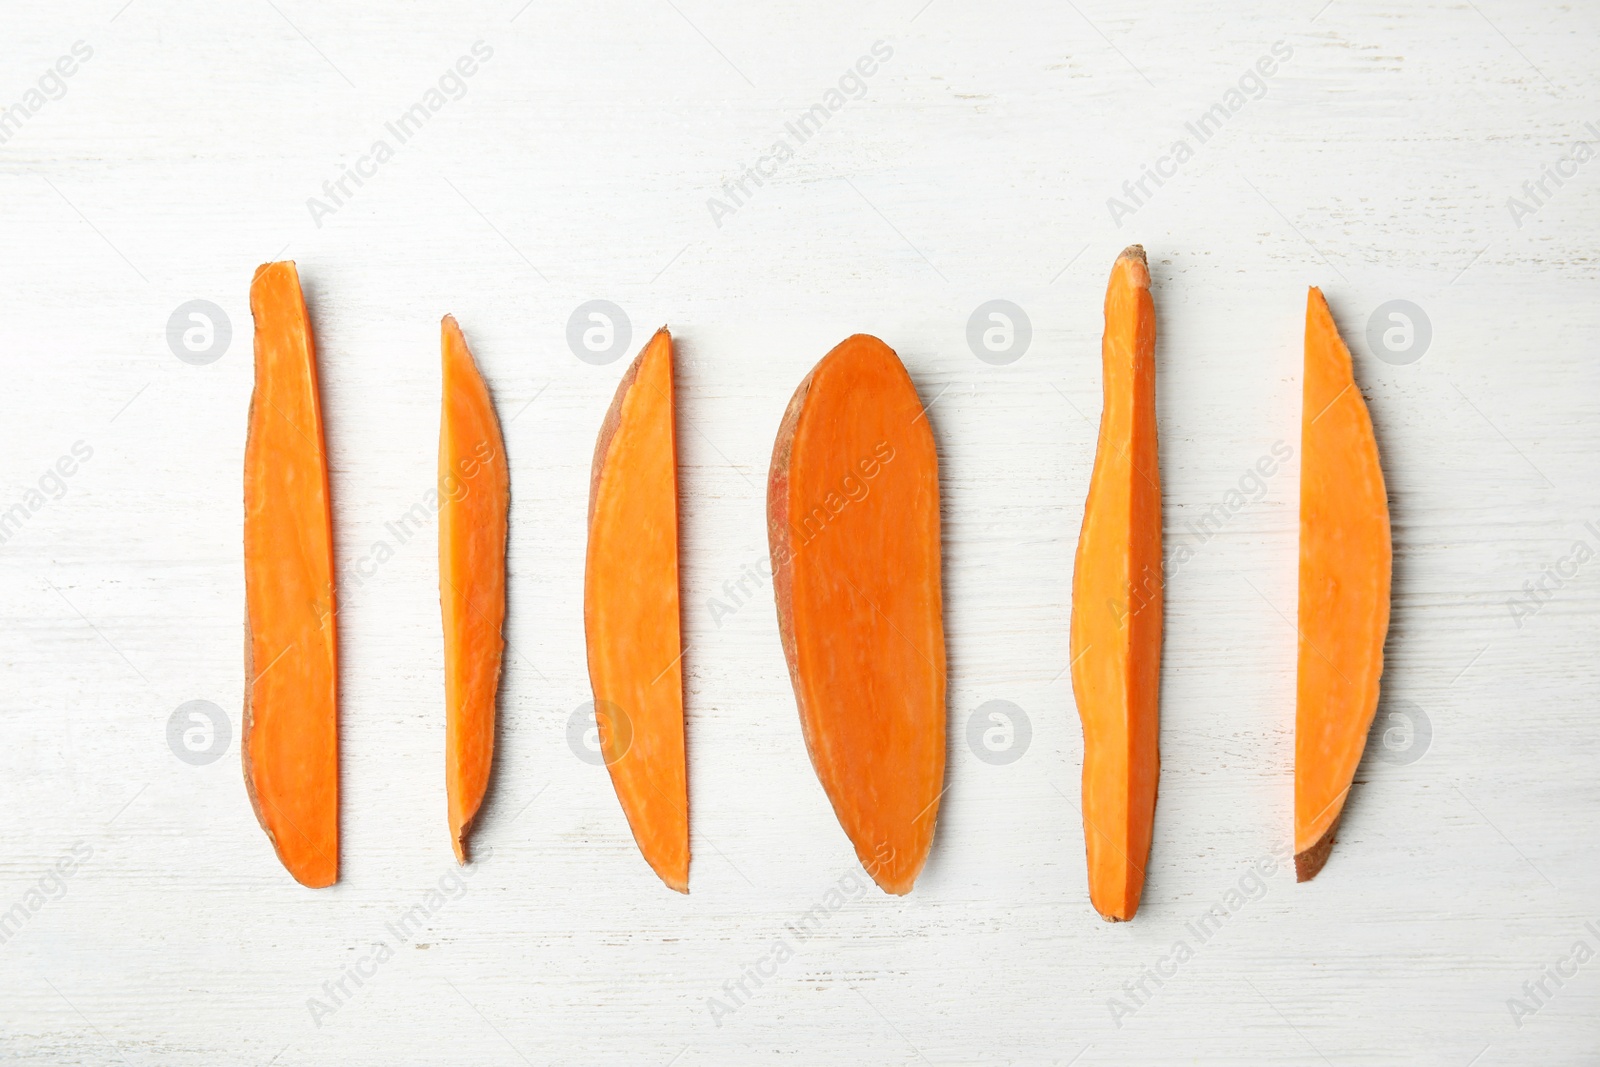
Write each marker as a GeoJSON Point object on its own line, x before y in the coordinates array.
{"type": "Point", "coordinates": [474, 495]}
{"type": "Point", "coordinates": [631, 611]}
{"type": "Point", "coordinates": [1345, 558]}
{"type": "Point", "coordinates": [853, 525]}
{"type": "Point", "coordinates": [1117, 603]}
{"type": "Point", "coordinates": [290, 741]}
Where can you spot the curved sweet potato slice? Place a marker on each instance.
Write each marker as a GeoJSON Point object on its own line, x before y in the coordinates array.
{"type": "Point", "coordinates": [474, 494]}
{"type": "Point", "coordinates": [853, 523]}
{"type": "Point", "coordinates": [631, 613]}
{"type": "Point", "coordinates": [1345, 558]}
{"type": "Point", "coordinates": [290, 743]}
{"type": "Point", "coordinates": [1117, 604]}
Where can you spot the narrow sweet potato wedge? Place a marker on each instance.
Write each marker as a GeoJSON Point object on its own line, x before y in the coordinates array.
{"type": "Point", "coordinates": [631, 614]}
{"type": "Point", "coordinates": [290, 743]}
{"type": "Point", "coordinates": [1345, 558]}
{"type": "Point", "coordinates": [474, 495]}
{"type": "Point", "coordinates": [853, 526]}
{"type": "Point", "coordinates": [1117, 603]}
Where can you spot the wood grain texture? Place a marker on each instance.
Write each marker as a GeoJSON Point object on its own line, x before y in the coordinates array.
{"type": "Point", "coordinates": [976, 165]}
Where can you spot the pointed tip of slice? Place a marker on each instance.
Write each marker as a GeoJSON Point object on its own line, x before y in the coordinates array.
{"type": "Point", "coordinates": [660, 342]}
{"type": "Point", "coordinates": [453, 346]}
{"type": "Point", "coordinates": [897, 882]}
{"type": "Point", "coordinates": [1135, 252]}
{"type": "Point", "coordinates": [675, 880]}
{"type": "Point", "coordinates": [662, 336]}
{"type": "Point", "coordinates": [667, 855]}
{"type": "Point", "coordinates": [1309, 863]}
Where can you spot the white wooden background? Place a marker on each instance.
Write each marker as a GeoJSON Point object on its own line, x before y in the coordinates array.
{"type": "Point", "coordinates": [1378, 164]}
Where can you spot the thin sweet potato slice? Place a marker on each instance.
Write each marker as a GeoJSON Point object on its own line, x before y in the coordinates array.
{"type": "Point", "coordinates": [853, 525]}
{"type": "Point", "coordinates": [290, 733]}
{"type": "Point", "coordinates": [1345, 559]}
{"type": "Point", "coordinates": [1117, 603]}
{"type": "Point", "coordinates": [474, 495]}
{"type": "Point", "coordinates": [631, 612]}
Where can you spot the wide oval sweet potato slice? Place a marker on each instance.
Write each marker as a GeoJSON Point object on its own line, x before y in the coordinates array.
{"type": "Point", "coordinates": [853, 523]}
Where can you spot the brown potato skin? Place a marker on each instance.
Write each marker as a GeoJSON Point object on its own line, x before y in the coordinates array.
{"type": "Point", "coordinates": [1309, 863]}
{"type": "Point", "coordinates": [778, 534]}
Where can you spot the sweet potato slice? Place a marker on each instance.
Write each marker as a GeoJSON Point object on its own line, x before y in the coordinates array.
{"type": "Point", "coordinates": [631, 612]}
{"type": "Point", "coordinates": [1345, 558]}
{"type": "Point", "coordinates": [474, 495]}
{"type": "Point", "coordinates": [1117, 603]}
{"type": "Point", "coordinates": [853, 525]}
{"type": "Point", "coordinates": [290, 740]}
